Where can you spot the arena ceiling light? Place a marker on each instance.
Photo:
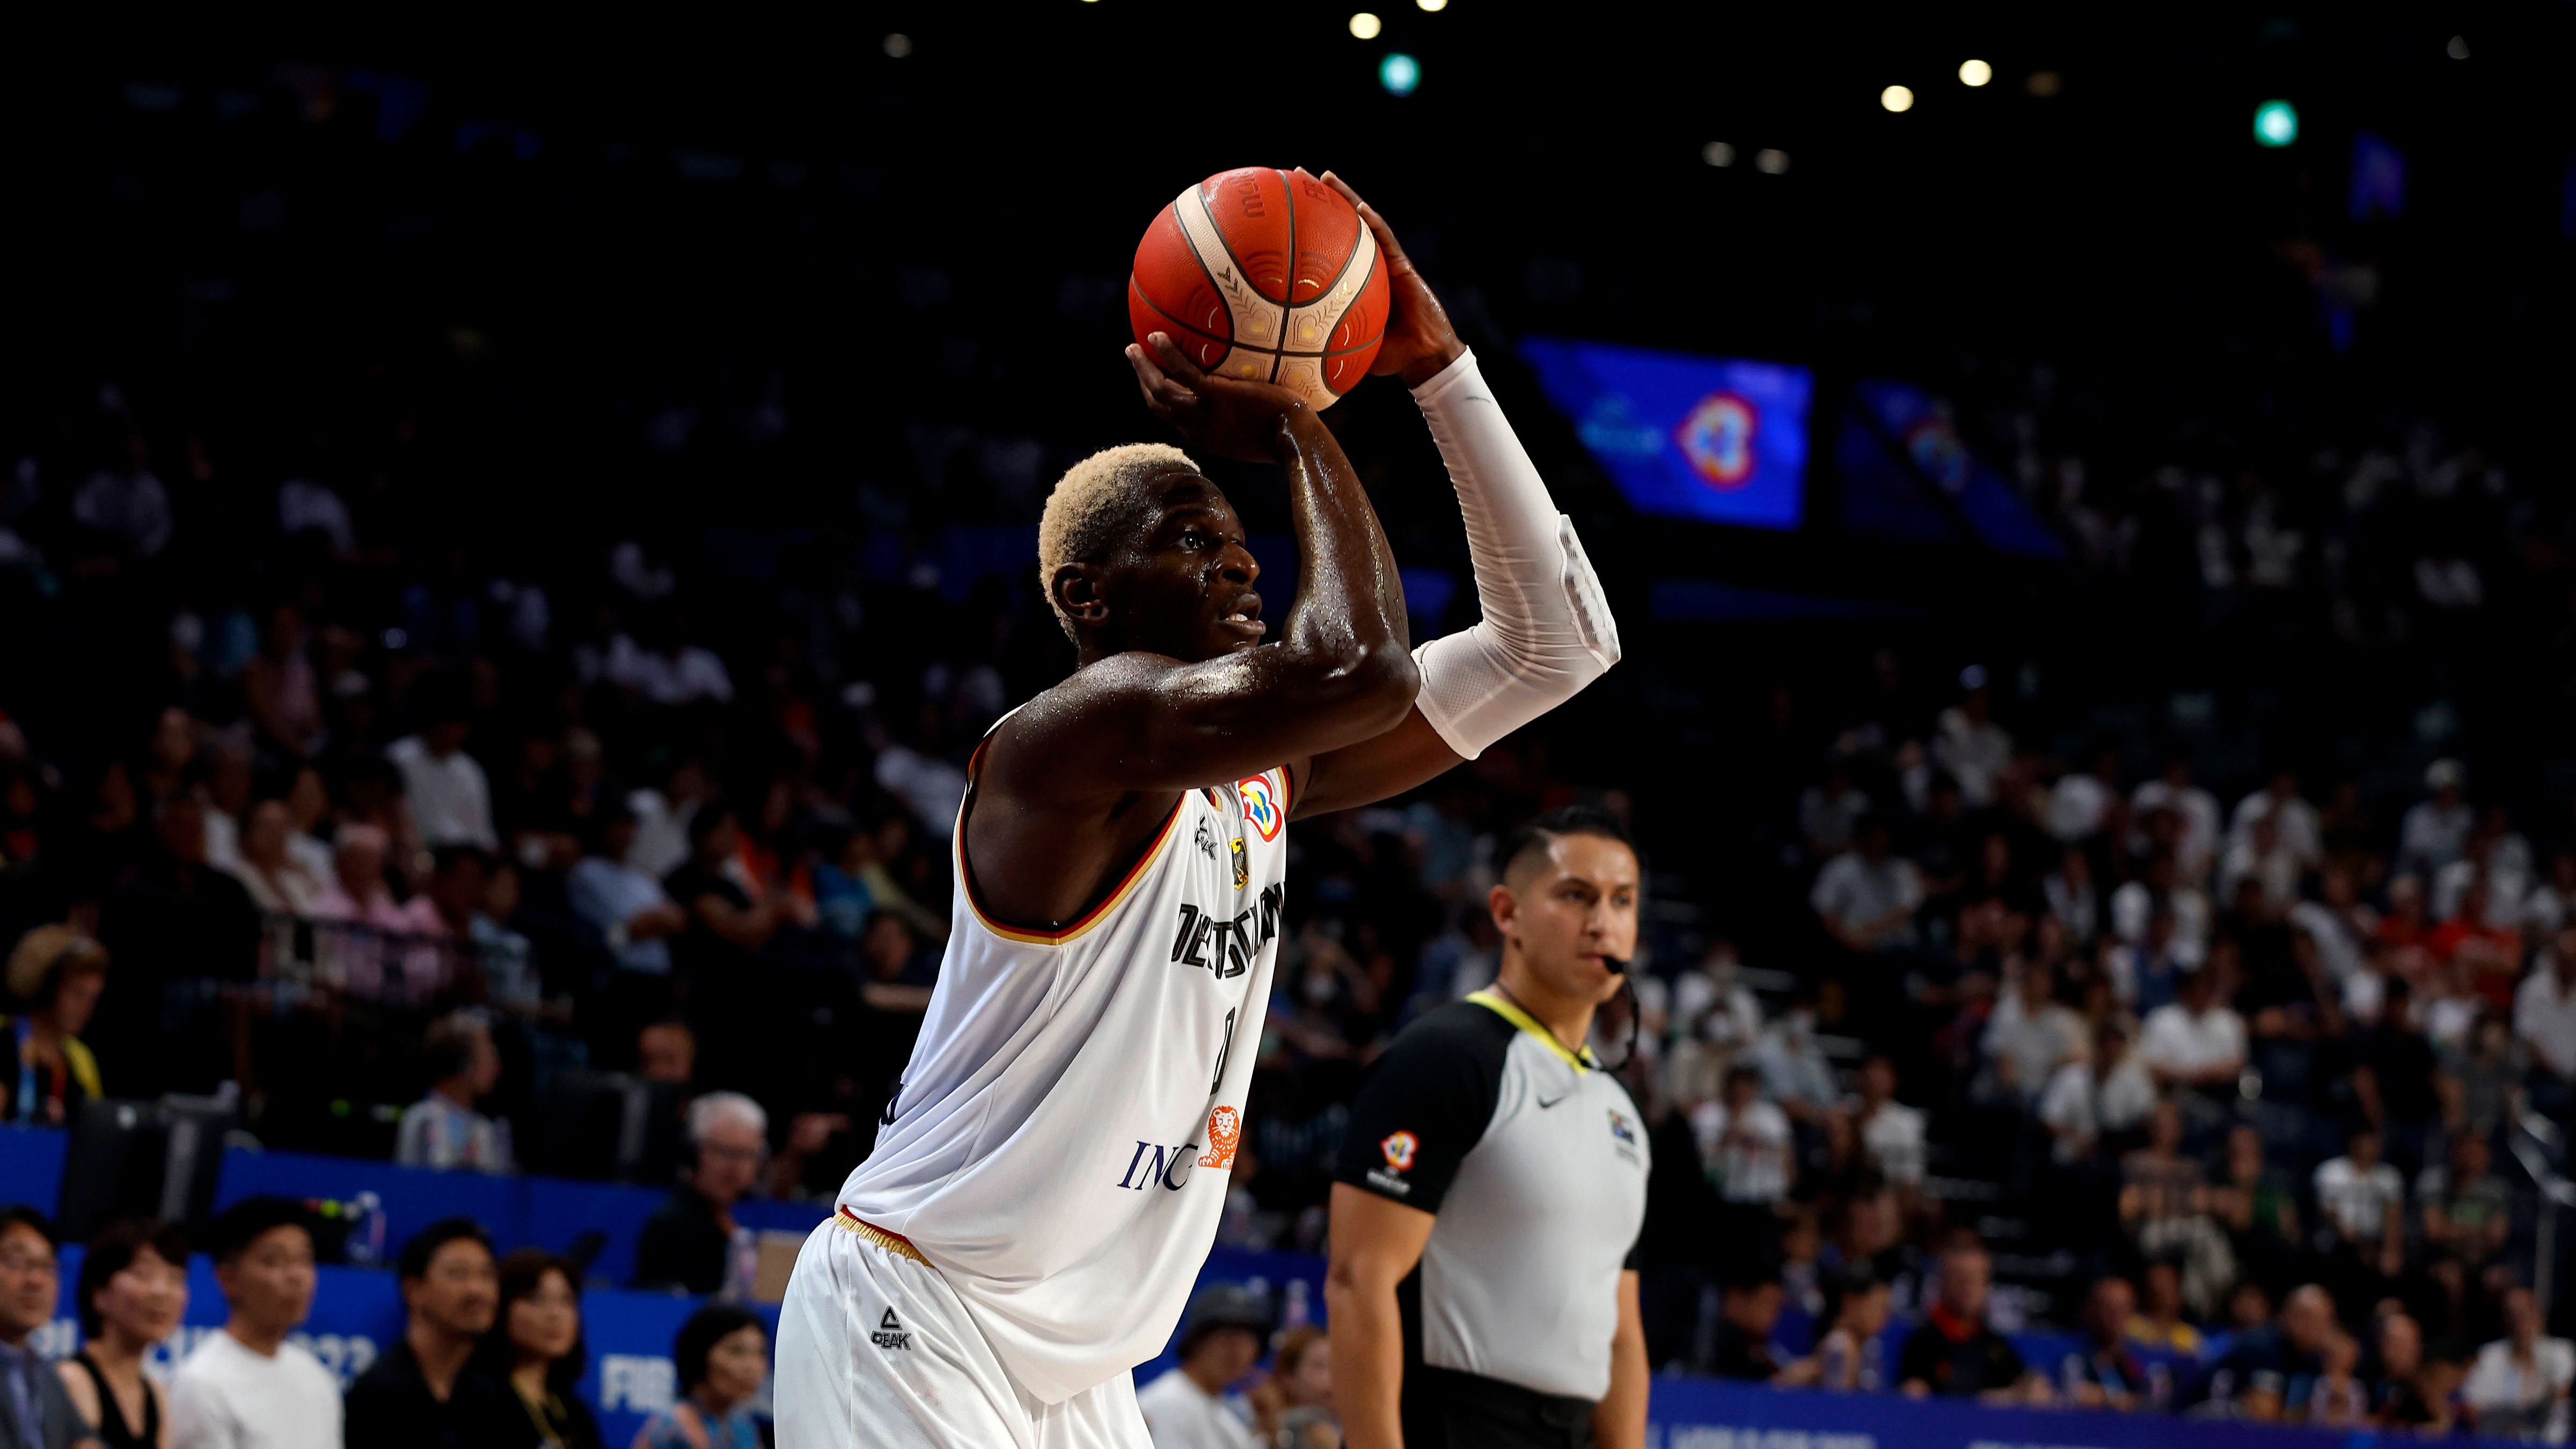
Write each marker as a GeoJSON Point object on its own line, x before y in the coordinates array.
{"type": "Point", "coordinates": [1770, 162]}
{"type": "Point", "coordinates": [1433, 6]}
{"type": "Point", "coordinates": [2458, 49]}
{"type": "Point", "coordinates": [898, 45]}
{"type": "Point", "coordinates": [1897, 98]}
{"type": "Point", "coordinates": [1399, 73]}
{"type": "Point", "coordinates": [2276, 124]}
{"type": "Point", "coordinates": [1975, 73]}
{"type": "Point", "coordinates": [1365, 25]}
{"type": "Point", "coordinates": [1717, 153]}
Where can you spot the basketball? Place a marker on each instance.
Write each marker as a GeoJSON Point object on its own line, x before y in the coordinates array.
{"type": "Point", "coordinates": [1264, 274]}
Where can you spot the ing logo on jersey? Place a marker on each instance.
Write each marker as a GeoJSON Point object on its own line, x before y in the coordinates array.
{"type": "Point", "coordinates": [1260, 805]}
{"type": "Point", "coordinates": [1225, 1128]}
{"type": "Point", "coordinates": [1399, 1149]}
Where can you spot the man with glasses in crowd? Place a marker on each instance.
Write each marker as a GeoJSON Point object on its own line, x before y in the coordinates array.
{"type": "Point", "coordinates": [35, 1412]}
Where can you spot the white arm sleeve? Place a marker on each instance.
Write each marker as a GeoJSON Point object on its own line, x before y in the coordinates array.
{"type": "Point", "coordinates": [1547, 632]}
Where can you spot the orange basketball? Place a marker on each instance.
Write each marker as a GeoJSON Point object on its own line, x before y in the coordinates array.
{"type": "Point", "coordinates": [1264, 274]}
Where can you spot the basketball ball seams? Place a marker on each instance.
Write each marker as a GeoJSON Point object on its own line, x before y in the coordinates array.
{"type": "Point", "coordinates": [1188, 332]}
{"type": "Point", "coordinates": [1257, 320]}
{"type": "Point", "coordinates": [1288, 287]}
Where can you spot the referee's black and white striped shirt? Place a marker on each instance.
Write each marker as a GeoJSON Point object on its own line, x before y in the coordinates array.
{"type": "Point", "coordinates": [1534, 1161]}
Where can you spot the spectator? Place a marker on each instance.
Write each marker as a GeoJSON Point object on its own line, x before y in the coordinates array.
{"type": "Point", "coordinates": [2544, 1022]}
{"type": "Point", "coordinates": [133, 1290]}
{"type": "Point", "coordinates": [2258, 1210]}
{"type": "Point", "coordinates": [1294, 1405]}
{"type": "Point", "coordinates": [246, 1386]}
{"type": "Point", "coordinates": [722, 1354]}
{"type": "Point", "coordinates": [1956, 1354]}
{"type": "Point", "coordinates": [59, 973]}
{"type": "Point", "coordinates": [358, 862]}
{"type": "Point", "coordinates": [2276, 1364]}
{"type": "Point", "coordinates": [625, 906]}
{"type": "Point", "coordinates": [2072, 899]}
{"type": "Point", "coordinates": [2165, 1204]}
{"type": "Point", "coordinates": [2159, 1323]}
{"type": "Point", "coordinates": [2398, 1348]}
{"type": "Point", "coordinates": [443, 1131]}
{"type": "Point", "coordinates": [1828, 809]}
{"type": "Point", "coordinates": [35, 1410]}
{"type": "Point", "coordinates": [667, 1051]}
{"type": "Point", "coordinates": [2339, 1400]}
{"type": "Point", "coordinates": [2146, 975]}
{"type": "Point", "coordinates": [2106, 1092]}
{"type": "Point", "coordinates": [1188, 1407]}
{"type": "Point", "coordinates": [427, 1392]}
{"type": "Point", "coordinates": [2193, 1042]}
{"type": "Point", "coordinates": [1748, 1310]}
{"type": "Point", "coordinates": [1890, 1133]}
{"type": "Point", "coordinates": [1968, 744]}
{"type": "Point", "coordinates": [2435, 832]}
{"type": "Point", "coordinates": [2396, 1078]}
{"type": "Point", "coordinates": [276, 878]}
{"type": "Point", "coordinates": [283, 693]}
{"type": "Point", "coordinates": [1865, 896]}
{"type": "Point", "coordinates": [535, 1347]}
{"type": "Point", "coordinates": [692, 1243]}
{"type": "Point", "coordinates": [1744, 1146]}
{"type": "Point", "coordinates": [1848, 1357]}
{"type": "Point", "coordinates": [450, 797]}
{"type": "Point", "coordinates": [2102, 1372]}
{"type": "Point", "coordinates": [1795, 1074]}
{"type": "Point", "coordinates": [2029, 1036]}
{"type": "Point", "coordinates": [2081, 801]}
{"type": "Point", "coordinates": [2295, 825]}
{"type": "Point", "coordinates": [2467, 1214]}
{"type": "Point", "coordinates": [2362, 1201]}
{"type": "Point", "coordinates": [2336, 922]}
{"type": "Point", "coordinates": [2518, 1387]}
{"type": "Point", "coordinates": [2194, 810]}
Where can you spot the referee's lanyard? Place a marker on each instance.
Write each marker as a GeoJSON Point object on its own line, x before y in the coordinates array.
{"type": "Point", "coordinates": [26, 1070]}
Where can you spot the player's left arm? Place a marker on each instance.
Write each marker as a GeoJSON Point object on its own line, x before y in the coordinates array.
{"type": "Point", "coordinates": [1546, 630]}
{"type": "Point", "coordinates": [1619, 1420]}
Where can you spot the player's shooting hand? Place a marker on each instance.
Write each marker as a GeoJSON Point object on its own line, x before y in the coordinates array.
{"type": "Point", "coordinates": [1227, 416]}
{"type": "Point", "coordinates": [1419, 340]}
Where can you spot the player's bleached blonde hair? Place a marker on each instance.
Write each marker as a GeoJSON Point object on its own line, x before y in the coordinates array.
{"type": "Point", "coordinates": [1082, 513]}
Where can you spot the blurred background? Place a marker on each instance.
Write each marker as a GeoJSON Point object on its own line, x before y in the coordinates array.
{"type": "Point", "coordinates": [506, 540]}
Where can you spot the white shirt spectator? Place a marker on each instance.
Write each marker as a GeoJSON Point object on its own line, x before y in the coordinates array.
{"type": "Point", "coordinates": [2133, 905]}
{"type": "Point", "coordinates": [451, 801]}
{"type": "Point", "coordinates": [608, 894]}
{"type": "Point", "coordinates": [2508, 891]}
{"type": "Point", "coordinates": [1973, 753]}
{"type": "Point", "coordinates": [2036, 1043]}
{"type": "Point", "coordinates": [1749, 1156]}
{"type": "Point", "coordinates": [930, 787]}
{"type": "Point", "coordinates": [2078, 908]}
{"type": "Point", "coordinates": [2432, 837]}
{"type": "Point", "coordinates": [2514, 1401]}
{"type": "Point", "coordinates": [2196, 847]}
{"type": "Point", "coordinates": [2547, 909]}
{"type": "Point", "coordinates": [2364, 992]}
{"type": "Point", "coordinates": [1858, 893]}
{"type": "Point", "coordinates": [2080, 1103]}
{"type": "Point", "coordinates": [2544, 1018]}
{"type": "Point", "coordinates": [2338, 937]}
{"type": "Point", "coordinates": [440, 1135]}
{"type": "Point", "coordinates": [661, 832]}
{"type": "Point", "coordinates": [2356, 1200]}
{"type": "Point", "coordinates": [1892, 1139]}
{"type": "Point", "coordinates": [1793, 1067]}
{"type": "Point", "coordinates": [2176, 1041]}
{"type": "Point", "coordinates": [2077, 804]}
{"type": "Point", "coordinates": [1722, 1015]}
{"type": "Point", "coordinates": [2276, 870]}
{"type": "Point", "coordinates": [684, 677]}
{"type": "Point", "coordinates": [228, 1396]}
{"type": "Point", "coordinates": [2294, 818]}
{"type": "Point", "coordinates": [1181, 1415]}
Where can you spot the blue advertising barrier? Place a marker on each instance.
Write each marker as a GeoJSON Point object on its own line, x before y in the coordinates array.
{"type": "Point", "coordinates": [31, 1166]}
{"type": "Point", "coordinates": [358, 1314]}
{"type": "Point", "coordinates": [543, 1212]}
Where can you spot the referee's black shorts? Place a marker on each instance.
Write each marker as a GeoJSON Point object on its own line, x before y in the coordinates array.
{"type": "Point", "coordinates": [1445, 1409]}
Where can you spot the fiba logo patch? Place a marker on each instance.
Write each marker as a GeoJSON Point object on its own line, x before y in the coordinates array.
{"type": "Point", "coordinates": [1260, 805]}
{"type": "Point", "coordinates": [1717, 438]}
{"type": "Point", "coordinates": [1225, 1128]}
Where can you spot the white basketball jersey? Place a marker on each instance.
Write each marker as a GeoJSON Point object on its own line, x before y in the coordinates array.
{"type": "Point", "coordinates": [1061, 1143]}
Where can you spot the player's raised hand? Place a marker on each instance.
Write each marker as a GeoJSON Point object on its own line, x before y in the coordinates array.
{"type": "Point", "coordinates": [1227, 416]}
{"type": "Point", "coordinates": [1419, 340]}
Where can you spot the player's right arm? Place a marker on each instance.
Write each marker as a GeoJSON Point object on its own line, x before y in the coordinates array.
{"type": "Point", "coordinates": [1375, 1246]}
{"type": "Point", "coordinates": [1341, 670]}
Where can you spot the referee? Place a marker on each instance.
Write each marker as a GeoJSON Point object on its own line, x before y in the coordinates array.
{"type": "Point", "coordinates": [1483, 1287]}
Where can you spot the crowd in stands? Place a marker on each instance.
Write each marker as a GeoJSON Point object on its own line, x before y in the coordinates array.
{"type": "Point", "coordinates": [488, 1358]}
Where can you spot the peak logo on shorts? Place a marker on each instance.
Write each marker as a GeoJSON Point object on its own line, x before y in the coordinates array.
{"type": "Point", "coordinates": [1261, 805]}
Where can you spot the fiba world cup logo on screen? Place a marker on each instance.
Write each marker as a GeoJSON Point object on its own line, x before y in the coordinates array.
{"type": "Point", "coordinates": [1717, 437]}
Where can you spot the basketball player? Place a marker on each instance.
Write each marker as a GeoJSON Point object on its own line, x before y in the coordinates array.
{"type": "Point", "coordinates": [1483, 1285]}
{"type": "Point", "coordinates": [1050, 1174]}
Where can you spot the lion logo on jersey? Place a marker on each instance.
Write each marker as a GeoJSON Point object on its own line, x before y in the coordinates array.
{"type": "Point", "coordinates": [1260, 804]}
{"type": "Point", "coordinates": [1225, 1128]}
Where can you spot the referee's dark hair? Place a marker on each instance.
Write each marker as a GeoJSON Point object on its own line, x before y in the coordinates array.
{"type": "Point", "coordinates": [1534, 837]}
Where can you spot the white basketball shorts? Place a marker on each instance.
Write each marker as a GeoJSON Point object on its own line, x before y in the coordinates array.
{"type": "Point", "coordinates": [875, 1351]}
